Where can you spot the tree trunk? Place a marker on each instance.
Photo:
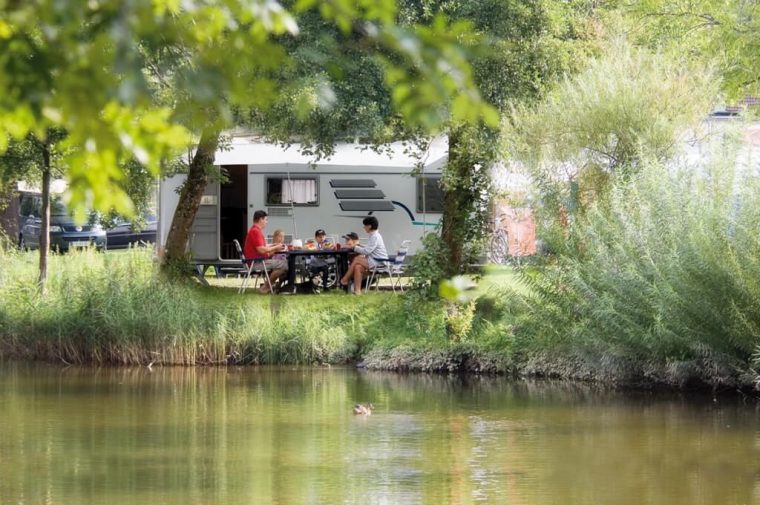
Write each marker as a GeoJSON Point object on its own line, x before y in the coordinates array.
{"type": "Point", "coordinates": [190, 200]}
{"type": "Point", "coordinates": [466, 194]}
{"type": "Point", "coordinates": [453, 211]}
{"type": "Point", "coordinates": [45, 217]}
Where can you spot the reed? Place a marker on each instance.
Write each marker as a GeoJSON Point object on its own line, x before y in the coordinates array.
{"type": "Point", "coordinates": [662, 284]}
{"type": "Point", "coordinates": [115, 308]}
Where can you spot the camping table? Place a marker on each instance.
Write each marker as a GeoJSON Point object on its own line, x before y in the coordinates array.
{"type": "Point", "coordinates": [341, 261]}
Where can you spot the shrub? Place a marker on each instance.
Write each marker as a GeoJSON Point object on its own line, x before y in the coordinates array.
{"type": "Point", "coordinates": [665, 275]}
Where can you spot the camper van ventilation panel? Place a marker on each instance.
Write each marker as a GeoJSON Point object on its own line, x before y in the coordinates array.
{"type": "Point", "coordinates": [359, 197]}
{"type": "Point", "coordinates": [359, 194]}
{"type": "Point", "coordinates": [373, 206]}
{"type": "Point", "coordinates": [352, 183]}
{"type": "Point", "coordinates": [279, 211]}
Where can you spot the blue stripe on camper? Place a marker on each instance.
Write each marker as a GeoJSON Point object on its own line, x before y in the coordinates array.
{"type": "Point", "coordinates": [411, 216]}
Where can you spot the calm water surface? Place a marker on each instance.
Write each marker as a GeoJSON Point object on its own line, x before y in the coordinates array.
{"type": "Point", "coordinates": [287, 436]}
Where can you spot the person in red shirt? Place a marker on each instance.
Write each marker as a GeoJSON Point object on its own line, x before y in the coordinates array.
{"type": "Point", "coordinates": [256, 248]}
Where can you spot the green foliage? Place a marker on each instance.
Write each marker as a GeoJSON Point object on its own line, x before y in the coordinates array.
{"type": "Point", "coordinates": [626, 317]}
{"type": "Point", "coordinates": [468, 190]}
{"type": "Point", "coordinates": [531, 44]}
{"type": "Point", "coordinates": [113, 308]}
{"type": "Point", "coordinates": [459, 321]}
{"type": "Point", "coordinates": [662, 283]}
{"type": "Point", "coordinates": [722, 32]}
{"type": "Point", "coordinates": [140, 185]}
{"type": "Point", "coordinates": [334, 91]}
{"type": "Point", "coordinates": [629, 106]}
{"type": "Point", "coordinates": [456, 289]}
{"type": "Point", "coordinates": [428, 266]}
{"type": "Point", "coordinates": [420, 98]}
{"type": "Point", "coordinates": [23, 159]}
{"type": "Point", "coordinates": [134, 80]}
{"type": "Point", "coordinates": [7, 244]}
{"type": "Point", "coordinates": [530, 47]}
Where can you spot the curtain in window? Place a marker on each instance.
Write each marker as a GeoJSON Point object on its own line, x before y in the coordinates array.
{"type": "Point", "coordinates": [299, 191]}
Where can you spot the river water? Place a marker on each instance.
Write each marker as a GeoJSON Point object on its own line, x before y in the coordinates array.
{"type": "Point", "coordinates": [287, 436]}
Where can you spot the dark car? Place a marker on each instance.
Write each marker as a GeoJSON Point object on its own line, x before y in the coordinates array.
{"type": "Point", "coordinates": [124, 234]}
{"type": "Point", "coordinates": [64, 232]}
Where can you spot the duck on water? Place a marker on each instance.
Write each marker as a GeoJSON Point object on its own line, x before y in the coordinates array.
{"type": "Point", "coordinates": [361, 409]}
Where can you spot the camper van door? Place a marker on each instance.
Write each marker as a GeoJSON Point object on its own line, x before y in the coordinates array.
{"type": "Point", "coordinates": [204, 234]}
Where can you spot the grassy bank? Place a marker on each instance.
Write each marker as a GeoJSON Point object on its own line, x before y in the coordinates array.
{"type": "Point", "coordinates": [113, 308]}
{"type": "Point", "coordinates": [658, 286]}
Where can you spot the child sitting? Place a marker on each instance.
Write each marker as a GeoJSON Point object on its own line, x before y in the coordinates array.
{"type": "Point", "coordinates": [278, 237]}
{"type": "Point", "coordinates": [352, 240]}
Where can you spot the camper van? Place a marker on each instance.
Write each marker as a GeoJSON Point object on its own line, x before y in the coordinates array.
{"type": "Point", "coordinates": [302, 196]}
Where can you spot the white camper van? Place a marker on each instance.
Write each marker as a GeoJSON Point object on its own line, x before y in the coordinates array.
{"type": "Point", "coordinates": [300, 196]}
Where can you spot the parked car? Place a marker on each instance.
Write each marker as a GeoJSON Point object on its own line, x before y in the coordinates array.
{"type": "Point", "coordinates": [64, 232]}
{"type": "Point", "coordinates": [125, 234]}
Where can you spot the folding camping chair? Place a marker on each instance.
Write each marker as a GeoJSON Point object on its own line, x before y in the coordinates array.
{"type": "Point", "coordinates": [252, 265]}
{"type": "Point", "coordinates": [393, 267]}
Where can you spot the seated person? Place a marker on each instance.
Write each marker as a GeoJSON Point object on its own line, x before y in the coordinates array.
{"type": "Point", "coordinates": [278, 238]}
{"type": "Point", "coordinates": [352, 240]}
{"type": "Point", "coordinates": [370, 255]}
{"type": "Point", "coordinates": [319, 242]}
{"type": "Point", "coordinates": [319, 268]}
{"type": "Point", "coordinates": [257, 248]}
{"type": "Point", "coordinates": [320, 238]}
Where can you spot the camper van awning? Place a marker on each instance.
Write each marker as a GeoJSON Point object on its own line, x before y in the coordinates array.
{"type": "Point", "coordinates": [247, 151]}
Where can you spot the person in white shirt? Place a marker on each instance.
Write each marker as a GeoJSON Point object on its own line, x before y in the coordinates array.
{"type": "Point", "coordinates": [370, 255]}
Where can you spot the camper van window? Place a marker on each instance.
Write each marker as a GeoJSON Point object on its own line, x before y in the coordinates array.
{"type": "Point", "coordinates": [282, 190]}
{"type": "Point", "coordinates": [433, 194]}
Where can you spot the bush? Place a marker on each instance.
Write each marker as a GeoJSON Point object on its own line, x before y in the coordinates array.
{"type": "Point", "coordinates": [665, 278]}
{"type": "Point", "coordinates": [115, 308]}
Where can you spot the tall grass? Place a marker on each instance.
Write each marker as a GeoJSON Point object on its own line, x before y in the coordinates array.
{"type": "Point", "coordinates": [663, 283]}
{"type": "Point", "coordinates": [115, 308]}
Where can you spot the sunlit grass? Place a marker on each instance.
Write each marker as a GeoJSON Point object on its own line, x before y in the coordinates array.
{"type": "Point", "coordinates": [667, 295]}
{"type": "Point", "coordinates": [115, 308]}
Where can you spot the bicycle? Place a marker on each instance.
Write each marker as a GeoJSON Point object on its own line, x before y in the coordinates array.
{"type": "Point", "coordinates": [498, 249]}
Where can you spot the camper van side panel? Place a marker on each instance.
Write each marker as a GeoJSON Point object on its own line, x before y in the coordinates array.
{"type": "Point", "coordinates": [347, 194]}
{"type": "Point", "coordinates": [167, 204]}
{"type": "Point", "coordinates": [204, 233]}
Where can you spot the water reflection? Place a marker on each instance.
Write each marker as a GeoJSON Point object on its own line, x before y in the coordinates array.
{"type": "Point", "coordinates": [287, 436]}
